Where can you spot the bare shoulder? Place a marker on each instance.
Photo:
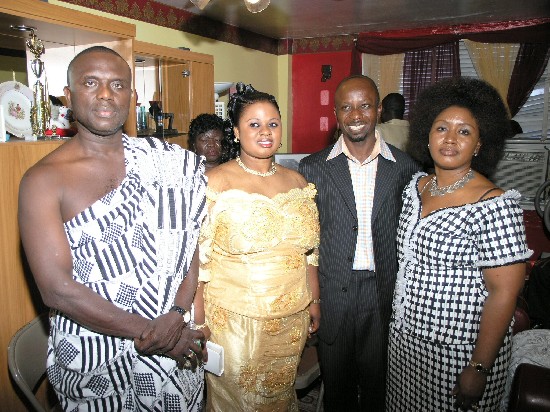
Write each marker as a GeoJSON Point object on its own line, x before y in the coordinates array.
{"type": "Point", "coordinates": [46, 172]}
{"type": "Point", "coordinates": [485, 189]}
{"type": "Point", "coordinates": [219, 177]}
{"type": "Point", "coordinates": [292, 176]}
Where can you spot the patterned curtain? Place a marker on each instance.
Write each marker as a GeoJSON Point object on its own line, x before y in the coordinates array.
{"type": "Point", "coordinates": [425, 67]}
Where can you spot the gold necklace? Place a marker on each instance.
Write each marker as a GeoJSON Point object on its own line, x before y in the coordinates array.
{"type": "Point", "coordinates": [271, 171]}
{"type": "Point", "coordinates": [460, 183]}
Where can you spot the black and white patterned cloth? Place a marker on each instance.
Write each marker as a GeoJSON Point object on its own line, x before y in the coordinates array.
{"type": "Point", "coordinates": [133, 247]}
{"type": "Point", "coordinates": [439, 296]}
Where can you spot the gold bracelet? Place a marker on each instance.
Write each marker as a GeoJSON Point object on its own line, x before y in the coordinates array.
{"type": "Point", "coordinates": [316, 301]}
{"type": "Point", "coordinates": [200, 326]}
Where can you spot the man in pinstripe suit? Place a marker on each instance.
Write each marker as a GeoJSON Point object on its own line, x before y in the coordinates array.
{"type": "Point", "coordinates": [359, 181]}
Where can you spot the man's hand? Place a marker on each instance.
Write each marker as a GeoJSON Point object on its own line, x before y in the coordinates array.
{"type": "Point", "coordinates": [166, 335]}
{"type": "Point", "coordinates": [190, 349]}
{"type": "Point", "coordinates": [161, 334]}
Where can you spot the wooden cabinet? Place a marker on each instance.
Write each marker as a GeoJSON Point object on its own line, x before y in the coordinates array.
{"type": "Point", "coordinates": [73, 31]}
{"type": "Point", "coordinates": [182, 80]}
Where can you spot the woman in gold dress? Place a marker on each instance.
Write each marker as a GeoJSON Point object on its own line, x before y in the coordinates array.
{"type": "Point", "coordinates": [257, 297]}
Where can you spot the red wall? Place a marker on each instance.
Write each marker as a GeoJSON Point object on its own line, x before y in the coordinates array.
{"type": "Point", "coordinates": [313, 123]}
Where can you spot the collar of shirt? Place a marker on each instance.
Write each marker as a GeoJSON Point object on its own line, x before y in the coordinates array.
{"type": "Point", "coordinates": [380, 147]}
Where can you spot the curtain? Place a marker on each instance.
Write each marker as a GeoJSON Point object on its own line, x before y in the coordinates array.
{"type": "Point", "coordinates": [389, 79]}
{"type": "Point", "coordinates": [494, 63]}
{"type": "Point", "coordinates": [401, 41]}
{"type": "Point", "coordinates": [531, 61]}
{"type": "Point", "coordinates": [425, 67]}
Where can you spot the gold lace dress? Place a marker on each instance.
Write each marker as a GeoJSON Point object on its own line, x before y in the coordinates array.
{"type": "Point", "coordinates": [254, 253]}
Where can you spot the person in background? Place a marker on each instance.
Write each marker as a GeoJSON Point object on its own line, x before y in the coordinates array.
{"type": "Point", "coordinates": [516, 127]}
{"type": "Point", "coordinates": [461, 248]}
{"type": "Point", "coordinates": [393, 128]}
{"type": "Point", "coordinates": [258, 295]}
{"type": "Point", "coordinates": [206, 138]}
{"type": "Point", "coordinates": [110, 227]}
{"type": "Point", "coordinates": [359, 181]}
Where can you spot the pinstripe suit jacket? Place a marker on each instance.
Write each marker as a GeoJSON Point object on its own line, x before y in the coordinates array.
{"type": "Point", "coordinates": [338, 219]}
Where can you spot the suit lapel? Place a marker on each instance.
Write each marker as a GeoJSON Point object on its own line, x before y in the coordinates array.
{"type": "Point", "coordinates": [342, 180]}
{"type": "Point", "coordinates": [384, 179]}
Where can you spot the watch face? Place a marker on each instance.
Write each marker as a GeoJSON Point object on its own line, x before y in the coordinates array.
{"type": "Point", "coordinates": [187, 316]}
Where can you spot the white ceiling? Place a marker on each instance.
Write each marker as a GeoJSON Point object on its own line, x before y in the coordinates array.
{"type": "Point", "coordinates": [319, 18]}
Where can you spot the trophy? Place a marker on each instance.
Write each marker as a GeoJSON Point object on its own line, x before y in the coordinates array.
{"type": "Point", "coordinates": [40, 109]}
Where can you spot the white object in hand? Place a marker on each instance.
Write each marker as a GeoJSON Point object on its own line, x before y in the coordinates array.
{"type": "Point", "coordinates": [215, 358]}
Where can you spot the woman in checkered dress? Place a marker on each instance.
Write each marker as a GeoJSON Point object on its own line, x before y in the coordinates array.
{"type": "Point", "coordinates": [462, 247]}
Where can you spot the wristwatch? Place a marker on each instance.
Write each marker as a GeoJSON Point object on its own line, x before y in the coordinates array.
{"type": "Point", "coordinates": [185, 313]}
{"type": "Point", "coordinates": [479, 367]}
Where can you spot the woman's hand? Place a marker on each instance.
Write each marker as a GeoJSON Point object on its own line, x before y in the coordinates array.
{"type": "Point", "coordinates": [469, 389]}
{"type": "Point", "coordinates": [315, 317]}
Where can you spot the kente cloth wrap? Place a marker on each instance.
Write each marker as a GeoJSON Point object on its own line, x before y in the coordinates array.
{"type": "Point", "coordinates": [254, 259]}
{"type": "Point", "coordinates": [133, 247]}
{"type": "Point", "coordinates": [440, 293]}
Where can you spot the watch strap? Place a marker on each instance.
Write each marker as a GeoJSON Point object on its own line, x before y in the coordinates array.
{"type": "Point", "coordinates": [184, 313]}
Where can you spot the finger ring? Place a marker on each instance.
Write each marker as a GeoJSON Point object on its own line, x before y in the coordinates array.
{"type": "Point", "coordinates": [191, 353]}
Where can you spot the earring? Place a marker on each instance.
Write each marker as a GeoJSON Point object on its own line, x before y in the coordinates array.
{"type": "Point", "coordinates": [236, 139]}
{"type": "Point", "coordinates": [475, 154]}
{"type": "Point", "coordinates": [280, 145]}
{"type": "Point", "coordinates": [428, 145]}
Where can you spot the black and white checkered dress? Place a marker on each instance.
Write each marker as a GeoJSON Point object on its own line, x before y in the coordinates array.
{"type": "Point", "coordinates": [439, 296]}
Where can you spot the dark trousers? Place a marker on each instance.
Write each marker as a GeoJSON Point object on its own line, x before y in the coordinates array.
{"type": "Point", "coordinates": [354, 366]}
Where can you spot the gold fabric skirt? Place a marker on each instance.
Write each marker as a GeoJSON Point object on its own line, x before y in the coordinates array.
{"type": "Point", "coordinates": [261, 359]}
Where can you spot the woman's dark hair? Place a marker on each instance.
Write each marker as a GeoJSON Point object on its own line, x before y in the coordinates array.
{"type": "Point", "coordinates": [245, 96]}
{"type": "Point", "coordinates": [201, 124]}
{"type": "Point", "coordinates": [486, 106]}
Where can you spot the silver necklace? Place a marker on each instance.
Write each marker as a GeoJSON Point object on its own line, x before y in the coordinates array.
{"type": "Point", "coordinates": [460, 183]}
{"type": "Point", "coordinates": [271, 171]}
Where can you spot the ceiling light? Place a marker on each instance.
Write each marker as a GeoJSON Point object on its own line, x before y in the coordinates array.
{"type": "Point", "coordinates": [256, 6]}
{"type": "Point", "coordinates": [253, 6]}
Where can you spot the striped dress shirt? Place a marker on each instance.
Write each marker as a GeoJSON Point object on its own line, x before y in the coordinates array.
{"type": "Point", "coordinates": [363, 177]}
